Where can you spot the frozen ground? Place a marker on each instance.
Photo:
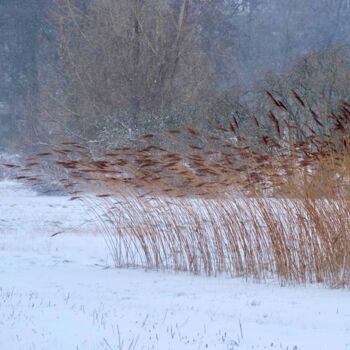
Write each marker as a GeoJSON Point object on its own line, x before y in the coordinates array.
{"type": "Point", "coordinates": [63, 293]}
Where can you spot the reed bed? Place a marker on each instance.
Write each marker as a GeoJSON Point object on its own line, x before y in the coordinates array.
{"type": "Point", "coordinates": [297, 241]}
{"type": "Point", "coordinates": [271, 206]}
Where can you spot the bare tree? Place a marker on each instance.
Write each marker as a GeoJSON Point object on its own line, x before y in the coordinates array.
{"type": "Point", "coordinates": [132, 55]}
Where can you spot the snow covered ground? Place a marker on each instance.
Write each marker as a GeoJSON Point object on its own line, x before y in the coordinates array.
{"type": "Point", "coordinates": [63, 293]}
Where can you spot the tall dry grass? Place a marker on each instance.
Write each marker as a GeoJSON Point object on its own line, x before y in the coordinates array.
{"type": "Point", "coordinates": [276, 206]}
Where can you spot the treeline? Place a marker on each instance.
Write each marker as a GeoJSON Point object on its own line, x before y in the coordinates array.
{"type": "Point", "coordinates": [111, 70]}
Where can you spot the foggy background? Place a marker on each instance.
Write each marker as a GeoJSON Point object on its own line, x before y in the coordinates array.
{"type": "Point", "coordinates": [108, 71]}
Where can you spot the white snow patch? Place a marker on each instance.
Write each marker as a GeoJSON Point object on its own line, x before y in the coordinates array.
{"type": "Point", "coordinates": [63, 293]}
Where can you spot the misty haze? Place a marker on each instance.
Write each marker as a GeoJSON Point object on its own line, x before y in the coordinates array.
{"type": "Point", "coordinates": [174, 174]}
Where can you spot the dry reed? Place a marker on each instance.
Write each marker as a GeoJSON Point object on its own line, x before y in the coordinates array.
{"type": "Point", "coordinates": [277, 207]}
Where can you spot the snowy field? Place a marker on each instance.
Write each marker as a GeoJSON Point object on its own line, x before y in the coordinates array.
{"type": "Point", "coordinates": [63, 293]}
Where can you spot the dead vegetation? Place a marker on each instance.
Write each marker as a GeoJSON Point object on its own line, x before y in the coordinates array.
{"type": "Point", "coordinates": [273, 205]}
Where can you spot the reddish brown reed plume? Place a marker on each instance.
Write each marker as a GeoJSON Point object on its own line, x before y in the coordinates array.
{"type": "Point", "coordinates": [277, 205]}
